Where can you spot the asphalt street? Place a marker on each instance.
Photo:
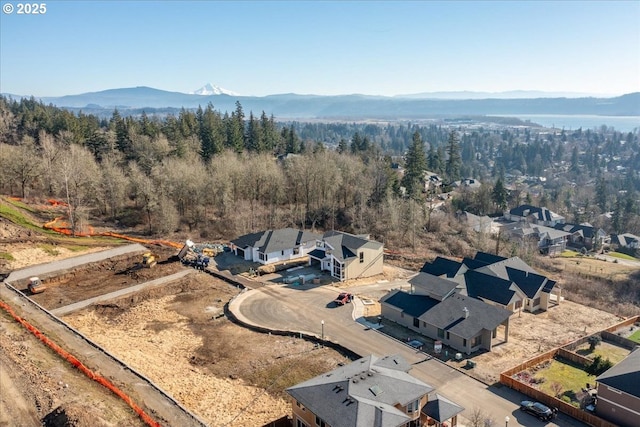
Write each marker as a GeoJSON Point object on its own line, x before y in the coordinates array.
{"type": "Point", "coordinates": [310, 309]}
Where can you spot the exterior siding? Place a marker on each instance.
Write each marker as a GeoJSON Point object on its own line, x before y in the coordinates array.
{"type": "Point", "coordinates": [372, 265]}
{"type": "Point", "coordinates": [623, 414]}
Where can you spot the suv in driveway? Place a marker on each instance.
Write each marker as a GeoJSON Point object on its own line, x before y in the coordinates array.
{"type": "Point", "coordinates": [538, 409]}
{"type": "Point", "coordinates": [343, 298]}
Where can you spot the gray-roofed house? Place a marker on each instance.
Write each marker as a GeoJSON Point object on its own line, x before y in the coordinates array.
{"type": "Point", "coordinates": [440, 411]}
{"type": "Point", "coordinates": [347, 256]}
{"type": "Point", "coordinates": [584, 235]}
{"type": "Point", "coordinates": [273, 246]}
{"type": "Point", "coordinates": [619, 392]}
{"type": "Point", "coordinates": [461, 322]}
{"type": "Point", "coordinates": [626, 240]}
{"type": "Point", "coordinates": [534, 215]}
{"type": "Point", "coordinates": [550, 241]}
{"type": "Point", "coordinates": [370, 392]}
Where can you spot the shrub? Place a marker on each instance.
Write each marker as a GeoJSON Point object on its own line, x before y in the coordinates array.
{"type": "Point", "coordinates": [598, 366]}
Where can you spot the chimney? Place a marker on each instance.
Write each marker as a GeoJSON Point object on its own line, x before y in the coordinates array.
{"type": "Point", "coordinates": [465, 312]}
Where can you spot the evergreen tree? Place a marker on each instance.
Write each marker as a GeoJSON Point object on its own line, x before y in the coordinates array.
{"type": "Point", "coordinates": [601, 193]}
{"type": "Point", "coordinates": [342, 146]}
{"type": "Point", "coordinates": [415, 166]}
{"type": "Point", "coordinates": [454, 161]}
{"type": "Point", "coordinates": [499, 195]}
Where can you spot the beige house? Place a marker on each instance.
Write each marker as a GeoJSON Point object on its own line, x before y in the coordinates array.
{"type": "Point", "coordinates": [347, 256]}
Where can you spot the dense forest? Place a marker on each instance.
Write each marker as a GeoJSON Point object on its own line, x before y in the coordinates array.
{"type": "Point", "coordinates": [217, 175]}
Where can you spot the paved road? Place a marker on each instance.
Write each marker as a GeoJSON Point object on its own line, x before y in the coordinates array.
{"type": "Point", "coordinates": [151, 398]}
{"type": "Point", "coordinates": [120, 293]}
{"type": "Point", "coordinates": [304, 308]}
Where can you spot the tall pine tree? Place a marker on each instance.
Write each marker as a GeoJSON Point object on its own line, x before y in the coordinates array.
{"type": "Point", "coordinates": [454, 161]}
{"type": "Point", "coordinates": [415, 166]}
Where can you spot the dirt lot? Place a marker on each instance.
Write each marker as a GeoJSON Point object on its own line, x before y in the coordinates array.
{"type": "Point", "coordinates": [38, 388]}
{"type": "Point", "coordinates": [108, 276]}
{"type": "Point", "coordinates": [226, 374]}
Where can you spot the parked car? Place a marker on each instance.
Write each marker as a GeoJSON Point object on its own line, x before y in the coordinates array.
{"type": "Point", "coordinates": [343, 298]}
{"type": "Point", "coordinates": [538, 409]}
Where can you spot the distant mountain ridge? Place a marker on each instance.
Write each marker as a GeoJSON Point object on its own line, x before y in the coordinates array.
{"type": "Point", "coordinates": [210, 89]}
{"type": "Point", "coordinates": [346, 106]}
{"type": "Point", "coordinates": [512, 94]}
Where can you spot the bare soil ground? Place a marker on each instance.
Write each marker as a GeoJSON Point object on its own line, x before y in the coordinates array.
{"type": "Point", "coordinates": [38, 388]}
{"type": "Point", "coordinates": [226, 374]}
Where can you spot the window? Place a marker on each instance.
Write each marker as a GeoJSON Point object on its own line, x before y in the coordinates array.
{"type": "Point", "coordinates": [282, 252]}
{"type": "Point", "coordinates": [413, 406]}
{"type": "Point", "coordinates": [536, 302]}
{"type": "Point", "coordinates": [440, 333]}
{"type": "Point", "coordinates": [464, 342]}
{"type": "Point", "coordinates": [448, 335]}
{"type": "Point", "coordinates": [361, 257]}
{"type": "Point", "coordinates": [262, 256]}
{"type": "Point", "coordinates": [416, 322]}
{"type": "Point", "coordinates": [296, 251]}
{"type": "Point", "coordinates": [300, 423]}
{"type": "Point", "coordinates": [476, 341]}
{"type": "Point", "coordinates": [320, 422]}
{"type": "Point", "coordinates": [424, 324]}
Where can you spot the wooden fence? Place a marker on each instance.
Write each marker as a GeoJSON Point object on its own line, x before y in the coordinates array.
{"type": "Point", "coordinates": [507, 377]}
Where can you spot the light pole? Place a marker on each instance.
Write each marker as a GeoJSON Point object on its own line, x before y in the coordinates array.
{"type": "Point", "coordinates": [322, 323]}
{"type": "Point", "coordinates": [506, 421]}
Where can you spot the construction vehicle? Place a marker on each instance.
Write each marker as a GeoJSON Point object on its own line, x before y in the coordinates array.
{"type": "Point", "coordinates": [149, 260]}
{"type": "Point", "coordinates": [36, 286]}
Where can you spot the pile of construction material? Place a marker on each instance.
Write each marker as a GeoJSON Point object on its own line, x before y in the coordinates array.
{"type": "Point", "coordinates": [198, 255]}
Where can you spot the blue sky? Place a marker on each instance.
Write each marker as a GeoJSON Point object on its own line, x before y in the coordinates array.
{"type": "Point", "coordinates": [322, 47]}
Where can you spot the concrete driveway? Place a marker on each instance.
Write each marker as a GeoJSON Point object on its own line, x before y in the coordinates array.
{"type": "Point", "coordinates": [304, 308]}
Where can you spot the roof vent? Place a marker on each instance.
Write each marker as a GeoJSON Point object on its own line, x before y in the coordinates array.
{"type": "Point", "coordinates": [355, 380]}
{"type": "Point", "coordinates": [465, 312]}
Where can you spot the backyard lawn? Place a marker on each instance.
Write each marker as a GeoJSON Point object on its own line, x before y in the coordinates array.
{"type": "Point", "coordinates": [605, 350]}
{"type": "Point", "coordinates": [635, 337]}
{"type": "Point", "coordinates": [571, 377]}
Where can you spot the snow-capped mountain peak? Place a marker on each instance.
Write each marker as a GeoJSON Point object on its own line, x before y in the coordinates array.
{"type": "Point", "coordinates": [210, 89]}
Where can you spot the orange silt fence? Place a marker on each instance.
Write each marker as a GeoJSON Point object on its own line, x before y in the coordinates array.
{"type": "Point", "coordinates": [88, 372]}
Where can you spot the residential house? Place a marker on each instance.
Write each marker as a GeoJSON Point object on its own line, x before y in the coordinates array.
{"type": "Point", "coordinates": [619, 392]}
{"type": "Point", "coordinates": [534, 215]}
{"type": "Point", "coordinates": [467, 184]}
{"type": "Point", "coordinates": [506, 282]}
{"type": "Point", "coordinates": [626, 240]}
{"type": "Point", "coordinates": [439, 410]}
{"type": "Point", "coordinates": [550, 241]}
{"type": "Point", "coordinates": [273, 246]}
{"type": "Point", "coordinates": [370, 392]}
{"type": "Point", "coordinates": [347, 256]}
{"type": "Point", "coordinates": [458, 321]}
{"type": "Point", "coordinates": [584, 235]}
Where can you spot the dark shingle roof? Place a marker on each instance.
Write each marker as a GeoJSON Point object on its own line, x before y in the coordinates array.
{"type": "Point", "coordinates": [441, 266]}
{"type": "Point", "coordinates": [440, 408]}
{"type": "Point", "coordinates": [449, 315]}
{"type": "Point", "coordinates": [413, 305]}
{"type": "Point", "coordinates": [488, 258]}
{"type": "Point", "coordinates": [625, 376]}
{"type": "Point", "coordinates": [587, 231]}
{"type": "Point", "coordinates": [473, 264]}
{"type": "Point", "coordinates": [529, 283]}
{"type": "Point", "coordinates": [362, 393]}
{"type": "Point", "coordinates": [275, 240]}
{"type": "Point", "coordinates": [435, 286]}
{"type": "Point", "coordinates": [484, 286]}
{"type": "Point", "coordinates": [541, 214]}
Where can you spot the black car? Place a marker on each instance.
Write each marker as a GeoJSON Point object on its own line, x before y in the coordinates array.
{"type": "Point", "coordinates": [537, 409]}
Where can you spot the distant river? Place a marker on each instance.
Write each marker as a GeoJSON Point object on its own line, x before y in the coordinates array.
{"type": "Point", "coordinates": [573, 122]}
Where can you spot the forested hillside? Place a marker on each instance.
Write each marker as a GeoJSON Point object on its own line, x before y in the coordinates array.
{"type": "Point", "coordinates": [217, 175]}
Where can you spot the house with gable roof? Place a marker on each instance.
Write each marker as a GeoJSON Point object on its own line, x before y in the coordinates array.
{"type": "Point", "coordinates": [534, 215]}
{"type": "Point", "coordinates": [584, 235]}
{"type": "Point", "coordinates": [347, 256]}
{"type": "Point", "coordinates": [619, 392]}
{"type": "Point", "coordinates": [626, 240]}
{"type": "Point", "coordinates": [369, 392]}
{"type": "Point", "coordinates": [272, 246]}
{"type": "Point", "coordinates": [550, 241]}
